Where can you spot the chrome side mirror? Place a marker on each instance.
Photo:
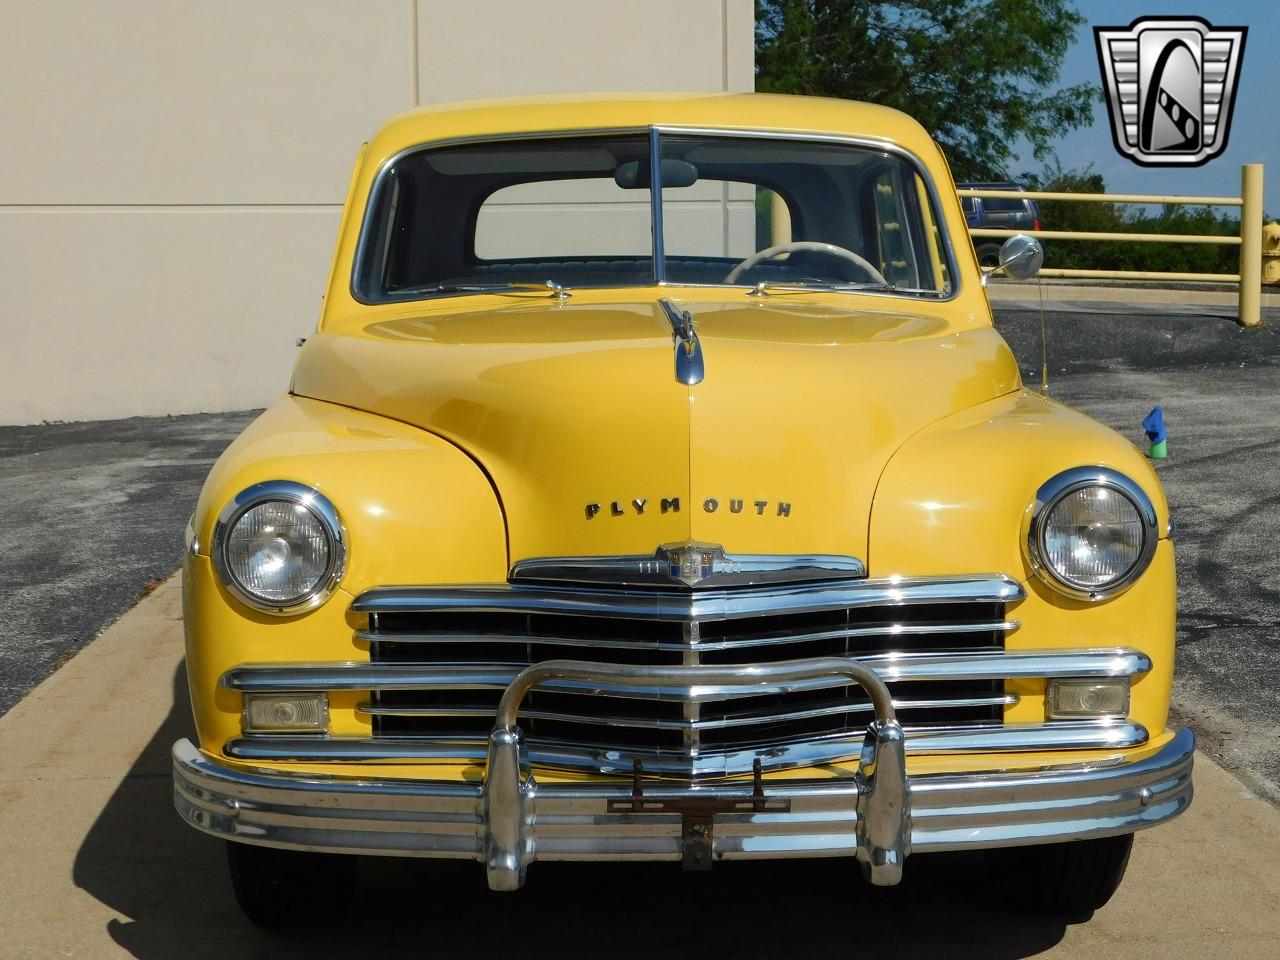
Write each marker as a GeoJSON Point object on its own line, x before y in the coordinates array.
{"type": "Point", "coordinates": [1021, 258]}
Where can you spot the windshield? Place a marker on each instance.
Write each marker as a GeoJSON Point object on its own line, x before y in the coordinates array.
{"type": "Point", "coordinates": [580, 211]}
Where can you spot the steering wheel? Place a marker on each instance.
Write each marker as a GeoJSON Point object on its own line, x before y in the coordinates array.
{"type": "Point", "coordinates": [798, 246]}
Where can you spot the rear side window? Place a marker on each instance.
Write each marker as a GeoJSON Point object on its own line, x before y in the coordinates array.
{"type": "Point", "coordinates": [1004, 206]}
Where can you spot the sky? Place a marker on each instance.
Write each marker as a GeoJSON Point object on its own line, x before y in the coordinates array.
{"type": "Point", "coordinates": [1255, 126]}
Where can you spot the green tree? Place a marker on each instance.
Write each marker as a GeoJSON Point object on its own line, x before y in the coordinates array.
{"type": "Point", "coordinates": [977, 75]}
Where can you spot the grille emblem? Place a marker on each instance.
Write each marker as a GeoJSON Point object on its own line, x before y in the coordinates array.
{"type": "Point", "coordinates": [691, 563]}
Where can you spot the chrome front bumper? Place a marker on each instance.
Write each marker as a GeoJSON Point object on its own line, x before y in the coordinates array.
{"type": "Point", "coordinates": [878, 816]}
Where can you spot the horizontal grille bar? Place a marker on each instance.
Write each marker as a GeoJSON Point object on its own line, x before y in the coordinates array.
{"type": "Point", "coordinates": [719, 723]}
{"type": "Point", "coordinates": [690, 605]}
{"type": "Point", "coordinates": [708, 646]}
{"type": "Point", "coordinates": [1014, 664]}
{"type": "Point", "coordinates": [1064, 735]}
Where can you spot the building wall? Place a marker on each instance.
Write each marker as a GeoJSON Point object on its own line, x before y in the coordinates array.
{"type": "Point", "coordinates": [173, 170]}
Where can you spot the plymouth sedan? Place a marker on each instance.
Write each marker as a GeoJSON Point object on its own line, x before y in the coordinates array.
{"type": "Point", "coordinates": [656, 487]}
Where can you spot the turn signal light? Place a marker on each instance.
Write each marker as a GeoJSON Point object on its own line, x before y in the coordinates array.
{"type": "Point", "coordinates": [286, 713]}
{"type": "Point", "coordinates": [1092, 699]}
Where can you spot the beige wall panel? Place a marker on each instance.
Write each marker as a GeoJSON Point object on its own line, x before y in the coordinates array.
{"type": "Point", "coordinates": [119, 313]}
{"type": "Point", "coordinates": [740, 45]}
{"type": "Point", "coordinates": [190, 101]}
{"type": "Point", "coordinates": [615, 230]}
{"type": "Point", "coordinates": [710, 229]}
{"type": "Point", "coordinates": [495, 48]}
{"type": "Point", "coordinates": [167, 200]}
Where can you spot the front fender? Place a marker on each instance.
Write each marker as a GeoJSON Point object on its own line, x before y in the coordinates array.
{"type": "Point", "coordinates": [953, 498]}
{"type": "Point", "coordinates": [415, 508]}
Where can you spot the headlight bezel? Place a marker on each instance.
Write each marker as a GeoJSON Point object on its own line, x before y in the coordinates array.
{"type": "Point", "coordinates": [287, 491]}
{"type": "Point", "coordinates": [1052, 492]}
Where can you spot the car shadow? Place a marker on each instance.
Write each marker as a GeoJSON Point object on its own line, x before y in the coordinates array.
{"type": "Point", "coordinates": [171, 883]}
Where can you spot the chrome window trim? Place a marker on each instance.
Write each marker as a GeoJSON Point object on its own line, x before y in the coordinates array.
{"type": "Point", "coordinates": [654, 132]}
{"type": "Point", "coordinates": [1051, 493]}
{"type": "Point", "coordinates": [655, 207]}
{"type": "Point", "coordinates": [293, 492]}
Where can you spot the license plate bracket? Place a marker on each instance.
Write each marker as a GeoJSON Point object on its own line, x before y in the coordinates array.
{"type": "Point", "coordinates": [698, 813]}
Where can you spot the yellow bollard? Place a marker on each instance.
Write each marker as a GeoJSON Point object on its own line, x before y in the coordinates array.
{"type": "Point", "coordinates": [779, 220]}
{"type": "Point", "coordinates": [1251, 245]}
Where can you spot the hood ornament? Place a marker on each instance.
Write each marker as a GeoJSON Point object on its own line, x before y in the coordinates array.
{"type": "Point", "coordinates": [689, 365]}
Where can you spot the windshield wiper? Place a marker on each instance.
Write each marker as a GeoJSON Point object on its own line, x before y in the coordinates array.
{"type": "Point", "coordinates": [550, 287]}
{"type": "Point", "coordinates": [768, 287]}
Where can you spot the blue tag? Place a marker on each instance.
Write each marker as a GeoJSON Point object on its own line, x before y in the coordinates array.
{"type": "Point", "coordinates": [1154, 426]}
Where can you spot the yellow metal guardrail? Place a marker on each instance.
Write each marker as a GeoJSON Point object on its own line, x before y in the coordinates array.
{"type": "Point", "coordinates": [1249, 240]}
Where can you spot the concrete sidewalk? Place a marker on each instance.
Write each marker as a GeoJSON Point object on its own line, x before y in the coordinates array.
{"type": "Point", "coordinates": [98, 865]}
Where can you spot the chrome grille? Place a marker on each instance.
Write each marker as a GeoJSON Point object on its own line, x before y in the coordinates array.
{"type": "Point", "coordinates": [471, 642]}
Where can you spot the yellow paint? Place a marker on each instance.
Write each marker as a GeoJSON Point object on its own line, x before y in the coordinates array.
{"type": "Point", "coordinates": [458, 435]}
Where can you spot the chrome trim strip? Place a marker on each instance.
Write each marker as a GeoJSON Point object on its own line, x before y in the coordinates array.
{"type": "Point", "coordinates": [702, 646]}
{"type": "Point", "coordinates": [1011, 738]}
{"type": "Point", "coordinates": [737, 720]}
{"type": "Point", "coordinates": [656, 569]}
{"type": "Point", "coordinates": [872, 143]}
{"type": "Point", "coordinates": [655, 207]}
{"type": "Point", "coordinates": [690, 366]}
{"type": "Point", "coordinates": [439, 818]}
{"type": "Point", "coordinates": [701, 605]}
{"type": "Point", "coordinates": [1061, 485]}
{"type": "Point", "coordinates": [1011, 664]}
{"type": "Point", "coordinates": [292, 492]}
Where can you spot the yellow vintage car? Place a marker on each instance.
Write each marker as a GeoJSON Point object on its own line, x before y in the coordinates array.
{"type": "Point", "coordinates": [656, 487]}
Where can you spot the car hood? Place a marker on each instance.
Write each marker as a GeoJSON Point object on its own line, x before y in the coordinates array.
{"type": "Point", "coordinates": [594, 448]}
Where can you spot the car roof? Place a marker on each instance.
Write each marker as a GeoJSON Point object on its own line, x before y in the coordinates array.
{"type": "Point", "coordinates": [606, 111]}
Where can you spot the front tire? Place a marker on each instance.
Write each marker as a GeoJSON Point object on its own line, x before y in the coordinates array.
{"type": "Point", "coordinates": [1065, 879]}
{"type": "Point", "coordinates": [282, 888]}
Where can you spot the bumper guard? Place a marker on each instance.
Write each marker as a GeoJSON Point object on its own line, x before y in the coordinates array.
{"type": "Point", "coordinates": [878, 815]}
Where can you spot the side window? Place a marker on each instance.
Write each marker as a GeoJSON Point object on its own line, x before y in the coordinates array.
{"type": "Point", "coordinates": [970, 206]}
{"type": "Point", "coordinates": [896, 261]}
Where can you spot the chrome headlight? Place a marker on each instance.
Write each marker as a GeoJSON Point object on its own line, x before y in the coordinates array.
{"type": "Point", "coordinates": [278, 546]}
{"type": "Point", "coordinates": [1092, 532]}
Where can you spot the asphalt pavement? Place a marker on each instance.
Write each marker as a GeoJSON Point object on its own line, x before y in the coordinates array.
{"type": "Point", "coordinates": [91, 518]}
